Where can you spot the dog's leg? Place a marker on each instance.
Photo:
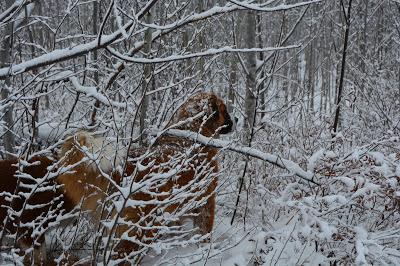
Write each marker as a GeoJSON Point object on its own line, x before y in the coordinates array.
{"type": "Point", "coordinates": [205, 219]}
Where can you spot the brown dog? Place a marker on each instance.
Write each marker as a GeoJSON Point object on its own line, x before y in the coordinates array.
{"type": "Point", "coordinates": [178, 175]}
{"type": "Point", "coordinates": [38, 204]}
{"type": "Point", "coordinates": [168, 169]}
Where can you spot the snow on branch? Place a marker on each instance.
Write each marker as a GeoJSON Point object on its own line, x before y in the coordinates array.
{"type": "Point", "coordinates": [89, 91]}
{"type": "Point", "coordinates": [291, 166]}
{"type": "Point", "coordinates": [208, 52]}
{"type": "Point", "coordinates": [61, 55]}
{"type": "Point", "coordinates": [7, 14]}
{"type": "Point", "coordinates": [260, 8]}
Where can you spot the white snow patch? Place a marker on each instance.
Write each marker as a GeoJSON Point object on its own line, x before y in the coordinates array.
{"type": "Point", "coordinates": [313, 160]}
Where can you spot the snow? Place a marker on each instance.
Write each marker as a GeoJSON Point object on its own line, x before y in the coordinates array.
{"type": "Point", "coordinates": [349, 182]}
{"type": "Point", "coordinates": [378, 157]}
{"type": "Point", "coordinates": [230, 245]}
{"type": "Point", "coordinates": [361, 249]}
{"type": "Point", "coordinates": [309, 197]}
{"type": "Point", "coordinates": [209, 52]}
{"type": "Point", "coordinates": [292, 167]}
{"type": "Point", "coordinates": [312, 161]}
{"type": "Point", "coordinates": [87, 90]}
{"type": "Point", "coordinates": [257, 7]}
{"type": "Point", "coordinates": [235, 244]}
{"type": "Point", "coordinates": [62, 54]}
{"type": "Point", "coordinates": [67, 53]}
{"type": "Point", "coordinates": [8, 11]}
{"type": "Point", "coordinates": [367, 188]}
{"type": "Point", "coordinates": [290, 240]}
{"type": "Point", "coordinates": [51, 131]}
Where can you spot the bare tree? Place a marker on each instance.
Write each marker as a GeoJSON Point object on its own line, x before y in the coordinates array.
{"type": "Point", "coordinates": [343, 64]}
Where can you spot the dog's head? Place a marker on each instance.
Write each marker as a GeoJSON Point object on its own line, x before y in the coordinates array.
{"type": "Point", "coordinates": [214, 119]}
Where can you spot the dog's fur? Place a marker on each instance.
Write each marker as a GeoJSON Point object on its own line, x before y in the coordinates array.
{"type": "Point", "coordinates": [185, 167]}
{"type": "Point", "coordinates": [49, 203]}
{"type": "Point", "coordinates": [198, 171]}
{"type": "Point", "coordinates": [216, 114]}
{"type": "Point", "coordinates": [85, 183]}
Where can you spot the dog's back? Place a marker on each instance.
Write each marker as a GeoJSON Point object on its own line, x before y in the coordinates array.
{"type": "Point", "coordinates": [91, 167]}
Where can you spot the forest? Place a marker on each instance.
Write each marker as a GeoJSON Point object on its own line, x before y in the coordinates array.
{"type": "Point", "coordinates": [205, 132]}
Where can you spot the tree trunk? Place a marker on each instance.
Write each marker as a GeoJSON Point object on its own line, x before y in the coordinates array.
{"type": "Point", "coordinates": [95, 58]}
{"type": "Point", "coordinates": [232, 85]}
{"type": "Point", "coordinates": [6, 48]}
{"type": "Point", "coordinates": [311, 72]}
{"type": "Point", "coordinates": [233, 77]}
{"type": "Point", "coordinates": [363, 43]}
{"type": "Point", "coordinates": [342, 70]}
{"type": "Point", "coordinates": [200, 8]}
{"type": "Point", "coordinates": [261, 59]}
{"type": "Point", "coordinates": [250, 95]}
{"type": "Point", "coordinates": [326, 76]}
{"type": "Point", "coordinates": [146, 81]}
{"type": "Point", "coordinates": [294, 76]}
{"type": "Point", "coordinates": [42, 32]}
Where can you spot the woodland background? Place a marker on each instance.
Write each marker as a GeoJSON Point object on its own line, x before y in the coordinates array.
{"type": "Point", "coordinates": [314, 82]}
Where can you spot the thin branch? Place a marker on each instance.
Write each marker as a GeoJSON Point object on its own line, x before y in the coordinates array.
{"type": "Point", "coordinates": [281, 7]}
{"type": "Point", "coordinates": [209, 52]}
{"type": "Point", "coordinates": [89, 91]}
{"type": "Point", "coordinates": [61, 55]}
{"type": "Point", "coordinates": [276, 160]}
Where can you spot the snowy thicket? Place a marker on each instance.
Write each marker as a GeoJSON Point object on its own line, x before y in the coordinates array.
{"type": "Point", "coordinates": [311, 172]}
